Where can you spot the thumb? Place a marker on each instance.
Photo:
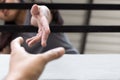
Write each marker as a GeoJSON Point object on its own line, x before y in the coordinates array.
{"type": "Point", "coordinates": [35, 10]}
{"type": "Point", "coordinates": [53, 54]}
{"type": "Point", "coordinates": [16, 43]}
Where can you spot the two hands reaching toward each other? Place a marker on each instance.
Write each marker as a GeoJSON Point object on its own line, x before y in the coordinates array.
{"type": "Point", "coordinates": [41, 17]}
{"type": "Point", "coordinates": [25, 66]}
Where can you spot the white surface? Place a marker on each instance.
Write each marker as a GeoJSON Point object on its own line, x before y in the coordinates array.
{"type": "Point", "coordinates": [77, 67]}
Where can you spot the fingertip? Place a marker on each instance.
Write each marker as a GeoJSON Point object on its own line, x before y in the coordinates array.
{"type": "Point", "coordinates": [27, 41]}
{"type": "Point", "coordinates": [21, 40]}
{"type": "Point", "coordinates": [18, 40]}
{"type": "Point", "coordinates": [16, 43]}
{"type": "Point", "coordinates": [60, 50]}
{"type": "Point", "coordinates": [35, 5]}
{"type": "Point", "coordinates": [35, 9]}
{"type": "Point", "coordinates": [30, 44]}
{"type": "Point", "coordinates": [43, 44]}
{"type": "Point", "coordinates": [54, 54]}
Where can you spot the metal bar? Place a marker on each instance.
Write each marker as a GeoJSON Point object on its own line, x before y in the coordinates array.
{"type": "Point", "coordinates": [65, 28]}
{"type": "Point", "coordinates": [64, 6]}
{"type": "Point", "coordinates": [84, 35]}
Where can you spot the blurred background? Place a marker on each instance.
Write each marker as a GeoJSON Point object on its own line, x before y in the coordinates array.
{"type": "Point", "coordinates": [92, 43]}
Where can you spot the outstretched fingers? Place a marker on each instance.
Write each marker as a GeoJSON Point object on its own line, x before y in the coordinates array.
{"type": "Point", "coordinates": [35, 10]}
{"type": "Point", "coordinates": [46, 32]}
{"type": "Point", "coordinates": [53, 54]}
{"type": "Point", "coordinates": [39, 19]}
{"type": "Point", "coordinates": [16, 45]}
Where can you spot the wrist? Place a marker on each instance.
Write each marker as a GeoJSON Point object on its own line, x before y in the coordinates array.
{"type": "Point", "coordinates": [14, 76]}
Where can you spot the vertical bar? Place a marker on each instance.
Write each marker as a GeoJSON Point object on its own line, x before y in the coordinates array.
{"type": "Point", "coordinates": [84, 35]}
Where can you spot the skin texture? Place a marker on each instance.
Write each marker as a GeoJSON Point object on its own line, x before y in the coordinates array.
{"type": "Point", "coordinates": [21, 62]}
{"type": "Point", "coordinates": [25, 66]}
{"type": "Point", "coordinates": [41, 20]}
{"type": "Point", "coordinates": [41, 17]}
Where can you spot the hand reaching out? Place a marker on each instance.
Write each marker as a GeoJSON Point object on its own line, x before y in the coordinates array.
{"type": "Point", "coordinates": [41, 17]}
{"type": "Point", "coordinates": [25, 66]}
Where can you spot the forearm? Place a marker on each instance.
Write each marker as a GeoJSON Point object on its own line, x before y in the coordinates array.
{"type": "Point", "coordinates": [11, 76]}
{"type": "Point", "coordinates": [17, 76]}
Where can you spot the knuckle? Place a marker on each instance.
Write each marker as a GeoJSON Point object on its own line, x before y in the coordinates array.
{"type": "Point", "coordinates": [47, 31]}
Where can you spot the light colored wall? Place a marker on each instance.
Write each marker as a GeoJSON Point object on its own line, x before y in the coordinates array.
{"type": "Point", "coordinates": [108, 43]}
